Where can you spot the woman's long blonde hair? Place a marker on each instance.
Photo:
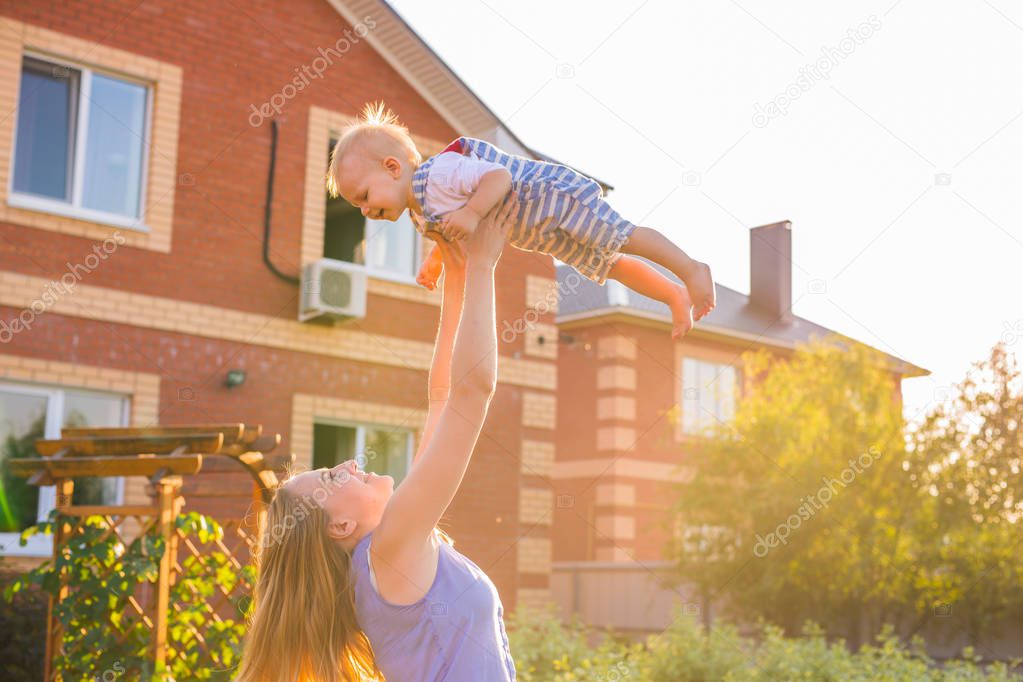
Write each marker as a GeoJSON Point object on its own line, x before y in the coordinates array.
{"type": "Point", "coordinates": [303, 627]}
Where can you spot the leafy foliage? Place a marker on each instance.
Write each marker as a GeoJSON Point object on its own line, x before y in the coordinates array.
{"type": "Point", "coordinates": [22, 631]}
{"type": "Point", "coordinates": [547, 651]}
{"type": "Point", "coordinates": [102, 634]}
{"type": "Point", "coordinates": [824, 508]}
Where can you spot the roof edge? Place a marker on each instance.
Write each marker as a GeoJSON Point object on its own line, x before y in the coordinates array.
{"type": "Point", "coordinates": [349, 14]}
{"type": "Point", "coordinates": [903, 367]}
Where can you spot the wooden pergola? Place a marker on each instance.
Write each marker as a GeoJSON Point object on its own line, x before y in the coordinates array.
{"type": "Point", "coordinates": [164, 455]}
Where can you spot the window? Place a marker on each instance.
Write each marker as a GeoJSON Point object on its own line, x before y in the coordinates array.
{"type": "Point", "coordinates": [28, 413]}
{"type": "Point", "coordinates": [387, 249]}
{"type": "Point", "coordinates": [380, 449]}
{"type": "Point", "coordinates": [708, 395]}
{"type": "Point", "coordinates": [80, 143]}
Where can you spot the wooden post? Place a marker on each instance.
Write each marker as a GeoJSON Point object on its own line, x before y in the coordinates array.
{"type": "Point", "coordinates": [168, 505]}
{"type": "Point", "coordinates": [61, 531]}
{"type": "Point", "coordinates": [258, 517]}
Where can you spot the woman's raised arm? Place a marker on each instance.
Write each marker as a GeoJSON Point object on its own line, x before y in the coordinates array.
{"type": "Point", "coordinates": [452, 294]}
{"type": "Point", "coordinates": [418, 504]}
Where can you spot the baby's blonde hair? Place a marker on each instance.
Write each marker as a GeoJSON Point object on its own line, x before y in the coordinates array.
{"type": "Point", "coordinates": [377, 133]}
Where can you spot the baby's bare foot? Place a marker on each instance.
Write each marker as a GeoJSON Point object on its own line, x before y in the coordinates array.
{"type": "Point", "coordinates": [681, 307]}
{"type": "Point", "coordinates": [701, 289]}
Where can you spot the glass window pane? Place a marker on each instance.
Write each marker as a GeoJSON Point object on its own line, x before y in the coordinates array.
{"type": "Point", "coordinates": [343, 229]}
{"type": "Point", "coordinates": [46, 122]}
{"type": "Point", "coordinates": [332, 444]}
{"type": "Point", "coordinates": [93, 410]}
{"type": "Point", "coordinates": [387, 452]}
{"type": "Point", "coordinates": [343, 226]}
{"type": "Point", "coordinates": [22, 421]}
{"type": "Point", "coordinates": [390, 245]}
{"type": "Point", "coordinates": [726, 405]}
{"type": "Point", "coordinates": [113, 147]}
{"type": "Point", "coordinates": [690, 395]}
{"type": "Point", "coordinates": [708, 395]}
{"type": "Point", "coordinates": [716, 407]}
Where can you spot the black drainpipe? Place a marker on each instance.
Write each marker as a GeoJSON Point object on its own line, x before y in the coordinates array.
{"type": "Point", "coordinates": [269, 201]}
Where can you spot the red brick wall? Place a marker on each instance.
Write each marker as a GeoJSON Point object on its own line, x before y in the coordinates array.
{"type": "Point", "coordinates": [232, 56]}
{"type": "Point", "coordinates": [235, 55]}
{"type": "Point", "coordinates": [657, 390]}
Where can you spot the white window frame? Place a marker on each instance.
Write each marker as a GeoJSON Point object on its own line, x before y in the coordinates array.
{"type": "Point", "coordinates": [360, 437]}
{"type": "Point", "coordinates": [42, 545]}
{"type": "Point", "coordinates": [686, 401]}
{"type": "Point", "coordinates": [74, 209]}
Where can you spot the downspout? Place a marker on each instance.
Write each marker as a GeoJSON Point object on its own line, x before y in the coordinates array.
{"type": "Point", "coordinates": [269, 202]}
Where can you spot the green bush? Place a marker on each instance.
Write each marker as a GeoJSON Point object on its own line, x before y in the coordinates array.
{"type": "Point", "coordinates": [682, 653]}
{"type": "Point", "coordinates": [22, 632]}
{"type": "Point", "coordinates": [547, 651]}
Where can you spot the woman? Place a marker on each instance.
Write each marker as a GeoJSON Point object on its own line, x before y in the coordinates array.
{"type": "Point", "coordinates": [354, 578]}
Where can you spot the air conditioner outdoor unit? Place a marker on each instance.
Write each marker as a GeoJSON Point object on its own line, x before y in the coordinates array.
{"type": "Point", "coordinates": [332, 290]}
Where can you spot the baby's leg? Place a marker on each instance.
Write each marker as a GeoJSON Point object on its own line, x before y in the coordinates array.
{"type": "Point", "coordinates": [644, 279]}
{"type": "Point", "coordinates": [653, 245]}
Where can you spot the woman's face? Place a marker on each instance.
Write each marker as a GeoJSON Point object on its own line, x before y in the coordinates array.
{"type": "Point", "coordinates": [354, 500]}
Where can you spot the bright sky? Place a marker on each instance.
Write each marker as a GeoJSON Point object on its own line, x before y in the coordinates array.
{"type": "Point", "coordinates": [899, 167]}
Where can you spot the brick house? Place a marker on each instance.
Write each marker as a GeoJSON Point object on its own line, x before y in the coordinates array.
{"type": "Point", "coordinates": [142, 259]}
{"type": "Point", "coordinates": [634, 400]}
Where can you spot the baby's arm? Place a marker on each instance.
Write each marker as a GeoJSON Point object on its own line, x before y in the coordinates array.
{"type": "Point", "coordinates": [493, 187]}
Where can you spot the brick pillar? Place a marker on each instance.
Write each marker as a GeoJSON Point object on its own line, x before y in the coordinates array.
{"type": "Point", "coordinates": [614, 523]}
{"type": "Point", "coordinates": [539, 416]}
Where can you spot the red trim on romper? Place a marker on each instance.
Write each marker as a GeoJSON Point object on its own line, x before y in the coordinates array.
{"type": "Point", "coordinates": [455, 146]}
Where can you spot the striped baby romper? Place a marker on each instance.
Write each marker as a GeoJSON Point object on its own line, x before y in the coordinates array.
{"type": "Point", "coordinates": [560, 212]}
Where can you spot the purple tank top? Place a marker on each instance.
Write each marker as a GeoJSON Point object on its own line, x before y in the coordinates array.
{"type": "Point", "coordinates": [454, 633]}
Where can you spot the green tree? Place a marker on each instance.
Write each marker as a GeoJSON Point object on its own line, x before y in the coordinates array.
{"type": "Point", "coordinates": [799, 508]}
{"type": "Point", "coordinates": [818, 503]}
{"type": "Point", "coordinates": [967, 455]}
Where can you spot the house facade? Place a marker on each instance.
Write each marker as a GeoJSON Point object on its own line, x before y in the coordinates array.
{"type": "Point", "coordinates": [632, 405]}
{"type": "Point", "coordinates": [161, 191]}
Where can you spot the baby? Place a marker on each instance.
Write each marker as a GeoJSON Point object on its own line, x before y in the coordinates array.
{"type": "Point", "coordinates": [376, 167]}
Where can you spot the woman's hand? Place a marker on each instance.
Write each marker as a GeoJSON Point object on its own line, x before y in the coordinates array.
{"type": "Point", "coordinates": [486, 245]}
{"type": "Point", "coordinates": [453, 255]}
{"type": "Point", "coordinates": [447, 257]}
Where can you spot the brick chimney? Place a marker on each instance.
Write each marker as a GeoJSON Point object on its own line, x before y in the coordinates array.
{"type": "Point", "coordinates": [770, 269]}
